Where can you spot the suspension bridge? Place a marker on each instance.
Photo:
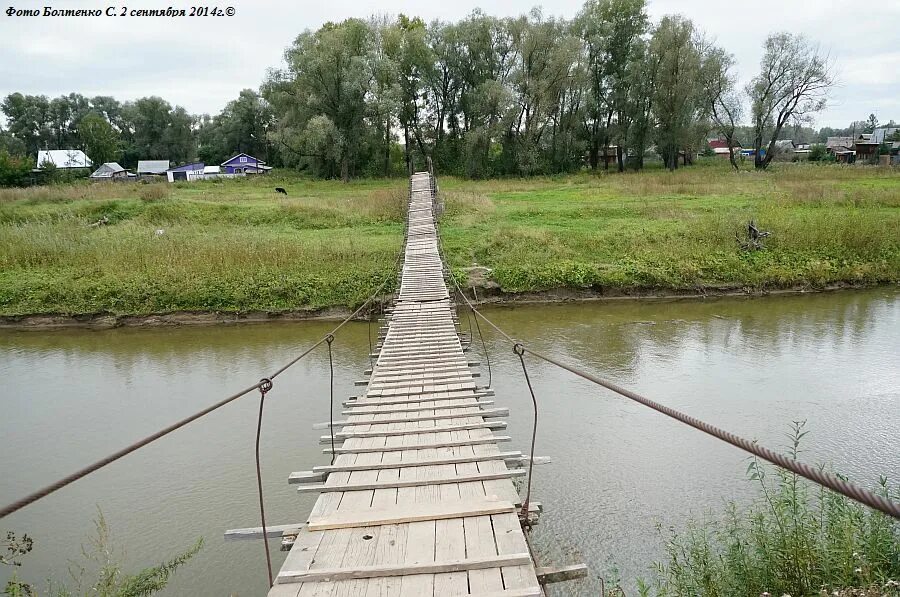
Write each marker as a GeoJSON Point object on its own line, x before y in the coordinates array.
{"type": "Point", "coordinates": [418, 497]}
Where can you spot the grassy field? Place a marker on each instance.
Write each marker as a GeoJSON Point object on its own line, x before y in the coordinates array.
{"type": "Point", "coordinates": [237, 246]}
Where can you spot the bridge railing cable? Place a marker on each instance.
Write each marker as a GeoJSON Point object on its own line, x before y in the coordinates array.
{"type": "Point", "coordinates": [816, 475]}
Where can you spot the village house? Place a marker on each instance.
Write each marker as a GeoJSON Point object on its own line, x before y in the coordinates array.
{"type": "Point", "coordinates": [108, 171]}
{"type": "Point", "coordinates": [866, 147]}
{"type": "Point", "coordinates": [884, 134]}
{"type": "Point", "coordinates": [720, 147]}
{"type": "Point", "coordinates": [244, 163]}
{"type": "Point", "coordinates": [841, 148]}
{"type": "Point", "coordinates": [63, 158]}
{"type": "Point", "coordinates": [186, 172]}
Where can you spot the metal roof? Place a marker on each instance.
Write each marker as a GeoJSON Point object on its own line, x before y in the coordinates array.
{"type": "Point", "coordinates": [63, 158]}
{"type": "Point", "coordinates": [107, 170]}
{"type": "Point", "coordinates": [152, 166]}
{"type": "Point", "coordinates": [188, 167]}
{"type": "Point", "coordinates": [879, 135]}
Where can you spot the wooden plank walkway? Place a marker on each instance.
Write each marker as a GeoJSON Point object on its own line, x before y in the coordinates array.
{"type": "Point", "coordinates": [420, 500]}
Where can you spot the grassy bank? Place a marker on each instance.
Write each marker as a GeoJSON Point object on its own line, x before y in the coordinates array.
{"type": "Point", "coordinates": [237, 246]}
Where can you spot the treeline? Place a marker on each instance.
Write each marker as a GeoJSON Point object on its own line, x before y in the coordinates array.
{"type": "Point", "coordinates": [483, 96]}
{"type": "Point", "coordinates": [145, 129]}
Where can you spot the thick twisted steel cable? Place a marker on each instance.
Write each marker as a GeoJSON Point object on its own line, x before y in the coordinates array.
{"type": "Point", "coordinates": [81, 473]}
{"type": "Point", "coordinates": [331, 396]}
{"type": "Point", "coordinates": [519, 350]}
{"type": "Point", "coordinates": [487, 357]}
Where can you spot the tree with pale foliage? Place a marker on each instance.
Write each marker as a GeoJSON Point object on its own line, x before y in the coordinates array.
{"type": "Point", "coordinates": [793, 84]}
{"type": "Point", "coordinates": [719, 98]}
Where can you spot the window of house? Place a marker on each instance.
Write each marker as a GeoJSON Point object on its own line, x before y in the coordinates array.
{"type": "Point", "coordinates": [243, 160]}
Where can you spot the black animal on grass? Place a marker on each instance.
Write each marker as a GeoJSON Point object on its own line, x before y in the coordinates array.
{"type": "Point", "coordinates": [280, 190]}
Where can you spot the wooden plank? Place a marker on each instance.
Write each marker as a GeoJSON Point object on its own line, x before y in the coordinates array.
{"type": "Point", "coordinates": [410, 431]}
{"type": "Point", "coordinates": [489, 439]}
{"type": "Point", "coordinates": [402, 462]}
{"type": "Point", "coordinates": [275, 530]}
{"type": "Point", "coordinates": [411, 409]}
{"type": "Point", "coordinates": [473, 411]}
{"type": "Point", "coordinates": [409, 513]}
{"type": "Point", "coordinates": [508, 474]}
{"type": "Point", "coordinates": [552, 574]}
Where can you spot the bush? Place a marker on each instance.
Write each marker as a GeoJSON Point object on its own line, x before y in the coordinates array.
{"type": "Point", "coordinates": [817, 153]}
{"type": "Point", "coordinates": [14, 171]}
{"type": "Point", "coordinates": [797, 539]}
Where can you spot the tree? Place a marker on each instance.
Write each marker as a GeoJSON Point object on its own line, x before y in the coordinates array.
{"type": "Point", "coordinates": [871, 124]}
{"type": "Point", "coordinates": [327, 74]}
{"type": "Point", "coordinates": [792, 85]}
{"type": "Point", "coordinates": [154, 130]}
{"type": "Point", "coordinates": [14, 170]}
{"type": "Point", "coordinates": [101, 142]}
{"type": "Point", "coordinates": [720, 101]}
{"type": "Point", "coordinates": [28, 119]}
{"type": "Point", "coordinates": [676, 94]}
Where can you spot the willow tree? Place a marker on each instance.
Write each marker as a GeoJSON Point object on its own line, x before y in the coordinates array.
{"type": "Point", "coordinates": [611, 31]}
{"type": "Point", "coordinates": [792, 85]}
{"type": "Point", "coordinates": [325, 85]}
{"type": "Point", "coordinates": [676, 92]}
{"type": "Point", "coordinates": [720, 101]}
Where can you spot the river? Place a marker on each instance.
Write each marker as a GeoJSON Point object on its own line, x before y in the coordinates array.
{"type": "Point", "coordinates": [750, 365]}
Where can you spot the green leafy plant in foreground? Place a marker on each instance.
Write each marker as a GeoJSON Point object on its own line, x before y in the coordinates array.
{"type": "Point", "coordinates": [99, 572]}
{"type": "Point", "coordinates": [797, 539]}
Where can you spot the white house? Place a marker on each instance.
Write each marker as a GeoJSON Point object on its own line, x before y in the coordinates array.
{"type": "Point", "coordinates": [63, 158]}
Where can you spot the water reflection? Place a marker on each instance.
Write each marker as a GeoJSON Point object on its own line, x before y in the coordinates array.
{"type": "Point", "coordinates": [748, 365]}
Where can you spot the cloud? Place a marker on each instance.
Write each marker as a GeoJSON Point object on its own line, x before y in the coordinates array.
{"type": "Point", "coordinates": [202, 63]}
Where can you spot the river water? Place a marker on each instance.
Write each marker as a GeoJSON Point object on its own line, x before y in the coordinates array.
{"type": "Point", "coordinates": [618, 471]}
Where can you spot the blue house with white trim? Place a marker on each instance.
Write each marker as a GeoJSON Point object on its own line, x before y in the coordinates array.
{"type": "Point", "coordinates": [244, 163]}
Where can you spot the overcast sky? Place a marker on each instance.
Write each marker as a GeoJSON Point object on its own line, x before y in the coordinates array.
{"type": "Point", "coordinates": [202, 63]}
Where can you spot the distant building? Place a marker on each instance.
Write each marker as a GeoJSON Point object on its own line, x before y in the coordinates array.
{"type": "Point", "coordinates": [186, 172]}
{"type": "Point", "coordinates": [63, 158]}
{"type": "Point", "coordinates": [720, 147]}
{"type": "Point", "coordinates": [884, 133]}
{"type": "Point", "coordinates": [244, 163]}
{"type": "Point", "coordinates": [866, 146]}
{"type": "Point", "coordinates": [151, 167]}
{"type": "Point", "coordinates": [109, 170]}
{"type": "Point", "coordinates": [841, 148]}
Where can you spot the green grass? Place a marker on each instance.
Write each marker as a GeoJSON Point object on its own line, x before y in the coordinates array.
{"type": "Point", "coordinates": [676, 231]}
{"type": "Point", "coordinates": [237, 246]}
{"type": "Point", "coordinates": [795, 539]}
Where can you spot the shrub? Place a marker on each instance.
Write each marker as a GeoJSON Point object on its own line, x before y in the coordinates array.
{"type": "Point", "coordinates": [14, 170]}
{"type": "Point", "coordinates": [797, 539]}
{"type": "Point", "coordinates": [817, 153]}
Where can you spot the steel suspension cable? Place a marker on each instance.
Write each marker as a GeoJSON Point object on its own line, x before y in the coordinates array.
{"type": "Point", "coordinates": [331, 396]}
{"type": "Point", "coordinates": [520, 352]}
{"type": "Point", "coordinates": [264, 386]}
{"type": "Point", "coordinates": [487, 357]}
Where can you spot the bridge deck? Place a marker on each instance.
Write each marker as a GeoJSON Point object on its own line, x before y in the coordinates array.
{"type": "Point", "coordinates": [420, 500]}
